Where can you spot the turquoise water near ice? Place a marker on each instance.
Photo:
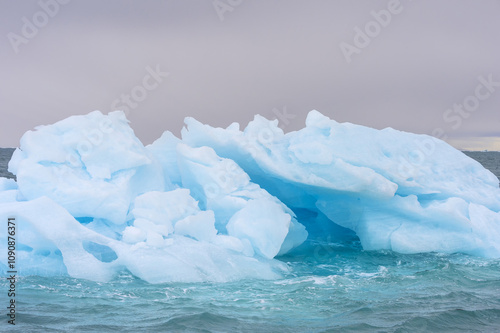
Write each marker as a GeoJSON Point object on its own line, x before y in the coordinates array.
{"type": "Point", "coordinates": [331, 287]}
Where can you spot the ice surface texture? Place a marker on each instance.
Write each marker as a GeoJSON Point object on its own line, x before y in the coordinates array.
{"type": "Point", "coordinates": [221, 204]}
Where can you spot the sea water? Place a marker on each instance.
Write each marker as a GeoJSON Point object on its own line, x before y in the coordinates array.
{"type": "Point", "coordinates": [333, 285]}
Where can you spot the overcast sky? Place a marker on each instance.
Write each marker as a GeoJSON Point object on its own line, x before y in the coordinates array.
{"type": "Point", "coordinates": [230, 59]}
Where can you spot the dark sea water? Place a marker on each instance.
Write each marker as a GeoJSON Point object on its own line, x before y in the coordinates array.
{"type": "Point", "coordinates": [5, 155]}
{"type": "Point", "coordinates": [332, 286]}
{"type": "Point", "coordinates": [490, 160]}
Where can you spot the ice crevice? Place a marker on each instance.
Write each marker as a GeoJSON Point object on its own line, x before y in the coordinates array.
{"type": "Point", "coordinates": [224, 204]}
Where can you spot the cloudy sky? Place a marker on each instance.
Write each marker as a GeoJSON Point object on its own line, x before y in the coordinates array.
{"type": "Point", "coordinates": [423, 66]}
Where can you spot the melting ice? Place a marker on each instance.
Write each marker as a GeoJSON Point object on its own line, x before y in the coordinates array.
{"type": "Point", "coordinates": [222, 204]}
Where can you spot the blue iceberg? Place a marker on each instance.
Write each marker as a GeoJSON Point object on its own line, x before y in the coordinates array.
{"type": "Point", "coordinates": [222, 204]}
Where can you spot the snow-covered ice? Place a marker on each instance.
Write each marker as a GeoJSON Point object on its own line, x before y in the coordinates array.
{"type": "Point", "coordinates": [223, 204]}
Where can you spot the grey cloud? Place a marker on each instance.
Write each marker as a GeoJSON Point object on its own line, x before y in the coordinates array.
{"type": "Point", "coordinates": [264, 55]}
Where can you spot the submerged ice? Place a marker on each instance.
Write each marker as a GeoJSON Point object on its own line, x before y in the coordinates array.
{"type": "Point", "coordinates": [222, 204]}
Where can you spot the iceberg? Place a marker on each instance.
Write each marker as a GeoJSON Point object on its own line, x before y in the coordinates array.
{"type": "Point", "coordinates": [397, 191]}
{"type": "Point", "coordinates": [92, 165]}
{"type": "Point", "coordinates": [221, 204]}
{"type": "Point", "coordinates": [91, 200]}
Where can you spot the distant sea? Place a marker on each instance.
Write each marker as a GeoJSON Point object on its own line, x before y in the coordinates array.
{"type": "Point", "coordinates": [489, 159]}
{"type": "Point", "coordinates": [5, 155]}
{"type": "Point", "coordinates": [333, 286]}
